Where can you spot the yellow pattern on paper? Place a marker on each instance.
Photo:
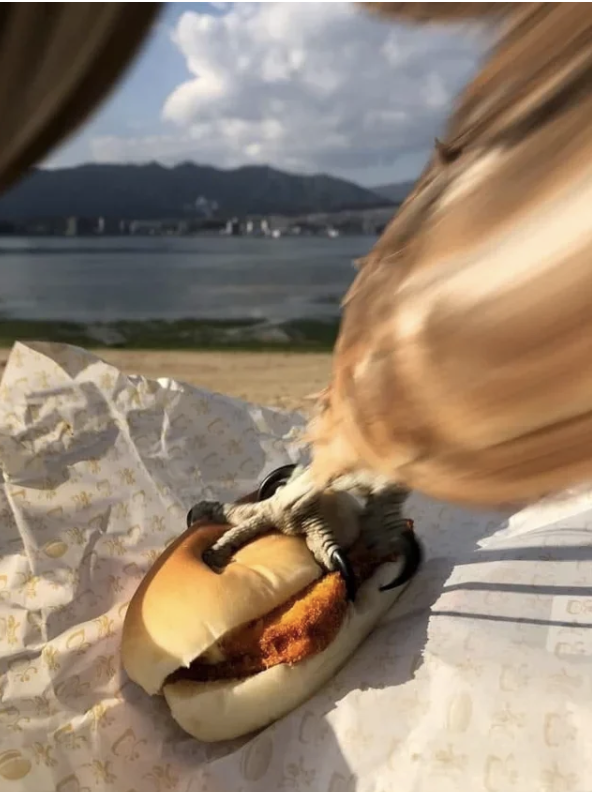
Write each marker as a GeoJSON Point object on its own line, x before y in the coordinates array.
{"type": "Point", "coordinates": [8, 630]}
{"type": "Point", "coordinates": [102, 772]}
{"type": "Point", "coordinates": [162, 777]}
{"type": "Point", "coordinates": [67, 737]}
{"type": "Point", "coordinates": [50, 656]}
{"type": "Point", "coordinates": [44, 754]}
{"type": "Point", "coordinates": [78, 537]}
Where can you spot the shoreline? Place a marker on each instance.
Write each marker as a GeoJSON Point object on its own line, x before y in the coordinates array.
{"type": "Point", "coordinates": [198, 335]}
{"type": "Point", "coordinates": [272, 365]}
{"type": "Point", "coordinates": [280, 379]}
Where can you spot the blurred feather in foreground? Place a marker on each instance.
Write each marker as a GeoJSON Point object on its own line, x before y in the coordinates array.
{"type": "Point", "coordinates": [463, 366]}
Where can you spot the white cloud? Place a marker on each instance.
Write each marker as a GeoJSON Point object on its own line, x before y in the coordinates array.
{"type": "Point", "coordinates": [306, 86]}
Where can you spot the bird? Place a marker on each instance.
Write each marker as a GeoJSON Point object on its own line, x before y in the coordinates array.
{"type": "Point", "coordinates": [462, 364]}
{"type": "Point", "coordinates": [461, 368]}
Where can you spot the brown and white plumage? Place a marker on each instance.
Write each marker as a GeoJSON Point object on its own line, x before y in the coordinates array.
{"type": "Point", "coordinates": [463, 366]}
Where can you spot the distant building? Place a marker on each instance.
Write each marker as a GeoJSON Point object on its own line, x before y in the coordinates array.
{"type": "Point", "coordinates": [80, 226]}
{"type": "Point", "coordinates": [232, 227]}
{"type": "Point", "coordinates": [145, 227]}
{"type": "Point", "coordinates": [110, 226]}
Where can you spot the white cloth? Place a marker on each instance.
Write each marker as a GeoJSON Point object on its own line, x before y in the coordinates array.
{"type": "Point", "coordinates": [479, 679]}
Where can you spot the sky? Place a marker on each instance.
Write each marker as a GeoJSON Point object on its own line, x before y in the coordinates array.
{"type": "Point", "coordinates": [305, 87]}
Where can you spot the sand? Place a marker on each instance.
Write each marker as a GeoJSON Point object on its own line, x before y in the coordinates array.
{"type": "Point", "coordinates": [277, 379]}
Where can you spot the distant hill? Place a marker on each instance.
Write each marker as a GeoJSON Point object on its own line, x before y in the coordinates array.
{"type": "Point", "coordinates": [394, 192]}
{"type": "Point", "coordinates": [152, 191]}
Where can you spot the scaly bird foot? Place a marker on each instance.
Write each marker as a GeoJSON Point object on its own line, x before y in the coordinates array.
{"type": "Point", "coordinates": [212, 511]}
{"type": "Point", "coordinates": [294, 508]}
{"type": "Point", "coordinates": [290, 504]}
{"type": "Point", "coordinates": [386, 531]}
{"type": "Point", "coordinates": [246, 522]}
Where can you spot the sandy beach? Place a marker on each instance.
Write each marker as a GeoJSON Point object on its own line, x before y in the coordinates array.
{"type": "Point", "coordinates": [276, 379]}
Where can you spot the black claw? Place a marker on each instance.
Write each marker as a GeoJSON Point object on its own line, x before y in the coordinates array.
{"type": "Point", "coordinates": [209, 557]}
{"type": "Point", "coordinates": [192, 517]}
{"type": "Point", "coordinates": [273, 481]}
{"type": "Point", "coordinates": [341, 562]}
{"type": "Point", "coordinates": [410, 550]}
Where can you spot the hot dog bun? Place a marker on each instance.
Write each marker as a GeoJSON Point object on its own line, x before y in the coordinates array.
{"type": "Point", "coordinates": [182, 608]}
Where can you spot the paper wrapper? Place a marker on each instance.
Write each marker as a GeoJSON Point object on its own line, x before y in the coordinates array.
{"type": "Point", "coordinates": [479, 678]}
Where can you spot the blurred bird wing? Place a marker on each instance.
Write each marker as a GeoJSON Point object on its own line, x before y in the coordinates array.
{"type": "Point", "coordinates": [463, 361]}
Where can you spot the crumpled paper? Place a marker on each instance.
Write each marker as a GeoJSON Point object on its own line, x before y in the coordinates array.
{"type": "Point", "coordinates": [479, 678]}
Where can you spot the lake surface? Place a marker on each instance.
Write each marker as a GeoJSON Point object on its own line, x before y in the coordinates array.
{"type": "Point", "coordinates": [135, 278]}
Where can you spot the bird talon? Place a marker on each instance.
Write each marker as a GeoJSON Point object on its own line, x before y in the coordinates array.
{"type": "Point", "coordinates": [410, 550]}
{"type": "Point", "coordinates": [217, 557]}
{"type": "Point", "coordinates": [213, 511]}
{"type": "Point", "coordinates": [341, 564]}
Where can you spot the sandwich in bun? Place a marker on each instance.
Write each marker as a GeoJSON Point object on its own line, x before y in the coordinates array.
{"type": "Point", "coordinates": [234, 650]}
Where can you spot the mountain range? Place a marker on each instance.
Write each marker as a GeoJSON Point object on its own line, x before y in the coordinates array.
{"type": "Point", "coordinates": [396, 192]}
{"type": "Point", "coordinates": [153, 191]}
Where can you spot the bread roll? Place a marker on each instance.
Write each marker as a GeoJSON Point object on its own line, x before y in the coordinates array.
{"type": "Point", "coordinates": [224, 710]}
{"type": "Point", "coordinates": [182, 608]}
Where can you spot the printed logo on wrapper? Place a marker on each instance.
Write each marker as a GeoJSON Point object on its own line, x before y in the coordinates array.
{"type": "Point", "coordinates": [572, 637]}
{"type": "Point", "coordinates": [256, 759]}
{"type": "Point", "coordinates": [71, 784]}
{"type": "Point", "coordinates": [93, 535]}
{"type": "Point", "coordinates": [14, 766]}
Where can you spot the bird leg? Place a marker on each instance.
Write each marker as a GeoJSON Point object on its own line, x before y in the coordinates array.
{"type": "Point", "coordinates": [383, 528]}
{"type": "Point", "coordinates": [247, 521]}
{"type": "Point", "coordinates": [324, 519]}
{"type": "Point", "coordinates": [297, 509]}
{"type": "Point", "coordinates": [385, 531]}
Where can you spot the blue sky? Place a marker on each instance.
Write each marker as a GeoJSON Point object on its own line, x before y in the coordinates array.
{"type": "Point", "coordinates": [307, 87]}
{"type": "Point", "coordinates": [135, 105]}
